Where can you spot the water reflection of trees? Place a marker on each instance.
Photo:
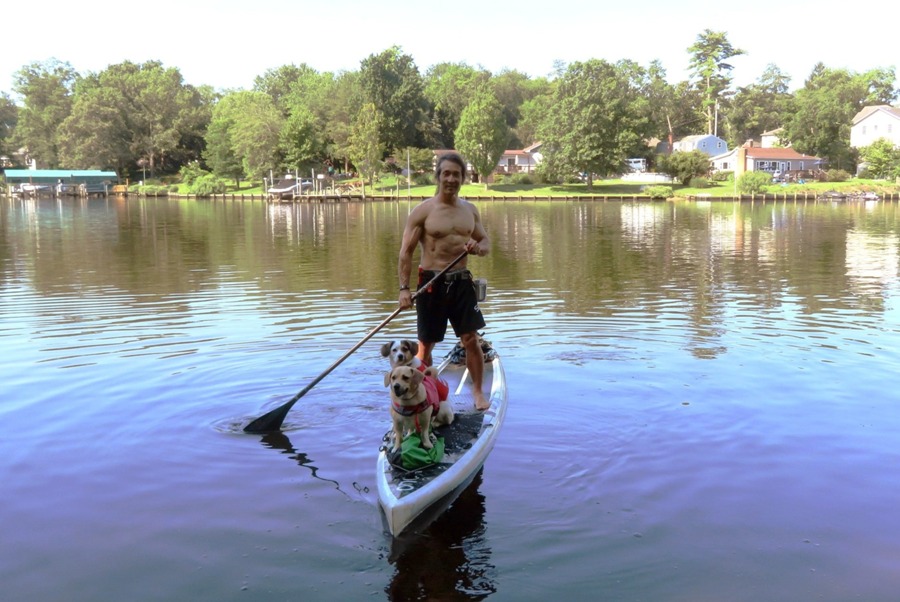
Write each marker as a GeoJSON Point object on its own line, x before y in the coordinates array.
{"type": "Point", "coordinates": [597, 258]}
{"type": "Point", "coordinates": [604, 259]}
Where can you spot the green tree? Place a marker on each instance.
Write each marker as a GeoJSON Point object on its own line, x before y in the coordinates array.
{"type": "Point", "coordinates": [145, 110]}
{"type": "Point", "coordinates": [96, 134]}
{"type": "Point", "coordinates": [46, 89]}
{"type": "Point", "coordinates": [391, 82]}
{"type": "Point", "coordinates": [302, 142]}
{"type": "Point", "coordinates": [823, 111]}
{"type": "Point", "coordinates": [284, 84]}
{"type": "Point", "coordinates": [709, 66]}
{"type": "Point", "coordinates": [366, 147]}
{"type": "Point", "coordinates": [599, 118]}
{"type": "Point", "coordinates": [533, 113]}
{"type": "Point", "coordinates": [9, 116]}
{"type": "Point", "coordinates": [482, 134]}
{"type": "Point", "coordinates": [220, 154]}
{"type": "Point", "coordinates": [345, 101]}
{"type": "Point", "coordinates": [882, 159]}
{"type": "Point", "coordinates": [449, 87]}
{"type": "Point", "coordinates": [255, 131]}
{"type": "Point", "coordinates": [513, 89]}
{"type": "Point", "coordinates": [685, 165]}
{"type": "Point", "coordinates": [759, 107]}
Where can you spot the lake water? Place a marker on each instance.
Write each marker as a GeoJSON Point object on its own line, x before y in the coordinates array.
{"type": "Point", "coordinates": [704, 404]}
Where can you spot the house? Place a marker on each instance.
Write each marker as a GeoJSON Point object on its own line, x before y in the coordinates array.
{"type": "Point", "coordinates": [780, 161]}
{"type": "Point", "coordinates": [516, 161]}
{"type": "Point", "coordinates": [772, 138]}
{"type": "Point", "coordinates": [872, 123]}
{"type": "Point", "coordinates": [707, 143]}
{"type": "Point", "coordinates": [512, 161]}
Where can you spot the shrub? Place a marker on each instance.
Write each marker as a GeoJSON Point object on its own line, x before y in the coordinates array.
{"type": "Point", "coordinates": [515, 178]}
{"type": "Point", "coordinates": [191, 171]}
{"type": "Point", "coordinates": [659, 192]}
{"type": "Point", "coordinates": [699, 182]}
{"type": "Point", "coordinates": [423, 178]}
{"type": "Point", "coordinates": [723, 176]}
{"type": "Point", "coordinates": [836, 175]}
{"type": "Point", "coordinates": [544, 175]}
{"type": "Point", "coordinates": [753, 182]}
{"type": "Point", "coordinates": [207, 185]}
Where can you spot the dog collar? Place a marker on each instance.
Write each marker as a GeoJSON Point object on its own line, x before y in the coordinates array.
{"type": "Point", "coordinates": [410, 410]}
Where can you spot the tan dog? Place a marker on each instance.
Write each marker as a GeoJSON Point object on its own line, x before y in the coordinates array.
{"type": "Point", "coordinates": [410, 407]}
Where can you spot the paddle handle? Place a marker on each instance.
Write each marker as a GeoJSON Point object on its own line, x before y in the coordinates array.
{"type": "Point", "coordinates": [273, 420]}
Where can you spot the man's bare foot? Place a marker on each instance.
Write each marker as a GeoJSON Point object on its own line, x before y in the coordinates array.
{"type": "Point", "coordinates": [481, 404]}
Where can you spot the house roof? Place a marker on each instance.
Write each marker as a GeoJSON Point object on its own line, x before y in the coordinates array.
{"type": "Point", "coordinates": [868, 111]}
{"type": "Point", "coordinates": [772, 154]}
{"type": "Point", "coordinates": [696, 137]}
{"type": "Point", "coordinates": [533, 147]}
{"type": "Point", "coordinates": [774, 132]}
{"type": "Point", "coordinates": [758, 152]}
{"type": "Point", "coordinates": [57, 173]}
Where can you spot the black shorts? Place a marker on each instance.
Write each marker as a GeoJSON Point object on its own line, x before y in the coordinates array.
{"type": "Point", "coordinates": [451, 298]}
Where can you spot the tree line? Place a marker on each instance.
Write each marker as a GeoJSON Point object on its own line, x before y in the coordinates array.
{"type": "Point", "coordinates": [590, 115]}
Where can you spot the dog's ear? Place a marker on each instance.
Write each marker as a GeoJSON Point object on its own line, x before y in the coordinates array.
{"type": "Point", "coordinates": [386, 349]}
{"type": "Point", "coordinates": [413, 346]}
{"type": "Point", "coordinates": [387, 378]}
{"type": "Point", "coordinates": [417, 376]}
{"type": "Point", "coordinates": [430, 371]}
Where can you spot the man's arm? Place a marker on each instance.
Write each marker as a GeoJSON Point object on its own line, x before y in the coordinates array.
{"type": "Point", "coordinates": [479, 236]}
{"type": "Point", "coordinates": [412, 234]}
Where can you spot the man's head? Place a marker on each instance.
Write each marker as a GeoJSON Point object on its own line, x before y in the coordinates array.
{"type": "Point", "coordinates": [453, 157]}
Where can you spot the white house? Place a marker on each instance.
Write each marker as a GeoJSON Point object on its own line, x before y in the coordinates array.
{"type": "Point", "coordinates": [771, 139]}
{"type": "Point", "coordinates": [707, 143]}
{"type": "Point", "coordinates": [770, 160]}
{"type": "Point", "coordinates": [520, 161]}
{"type": "Point", "coordinates": [872, 123]}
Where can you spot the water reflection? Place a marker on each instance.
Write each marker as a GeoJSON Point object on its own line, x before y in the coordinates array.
{"type": "Point", "coordinates": [279, 441]}
{"type": "Point", "coordinates": [448, 560]}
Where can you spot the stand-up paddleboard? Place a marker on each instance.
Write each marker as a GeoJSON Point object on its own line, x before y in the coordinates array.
{"type": "Point", "coordinates": [406, 494]}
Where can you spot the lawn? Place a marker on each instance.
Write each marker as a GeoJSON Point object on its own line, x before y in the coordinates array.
{"type": "Point", "coordinates": [390, 186]}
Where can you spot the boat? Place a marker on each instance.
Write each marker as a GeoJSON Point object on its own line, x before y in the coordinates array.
{"type": "Point", "coordinates": [405, 495]}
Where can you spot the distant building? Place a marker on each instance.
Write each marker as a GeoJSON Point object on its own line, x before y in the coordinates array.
{"type": "Point", "coordinates": [60, 182]}
{"type": "Point", "coordinates": [772, 138]}
{"type": "Point", "coordinates": [707, 143]}
{"type": "Point", "coordinates": [775, 161]}
{"type": "Point", "coordinates": [872, 123]}
{"type": "Point", "coordinates": [520, 161]}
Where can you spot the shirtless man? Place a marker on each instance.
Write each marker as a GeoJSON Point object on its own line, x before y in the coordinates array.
{"type": "Point", "coordinates": [445, 226]}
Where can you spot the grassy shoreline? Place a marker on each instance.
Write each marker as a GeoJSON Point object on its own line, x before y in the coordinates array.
{"type": "Point", "coordinates": [614, 188]}
{"type": "Point", "coordinates": [389, 187]}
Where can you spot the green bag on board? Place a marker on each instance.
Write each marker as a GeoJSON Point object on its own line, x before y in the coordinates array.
{"type": "Point", "coordinates": [413, 455]}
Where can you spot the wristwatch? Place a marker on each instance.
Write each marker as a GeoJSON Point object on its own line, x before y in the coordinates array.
{"type": "Point", "coordinates": [405, 287]}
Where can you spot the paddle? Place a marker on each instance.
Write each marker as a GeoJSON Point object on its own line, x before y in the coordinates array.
{"type": "Point", "coordinates": [272, 420]}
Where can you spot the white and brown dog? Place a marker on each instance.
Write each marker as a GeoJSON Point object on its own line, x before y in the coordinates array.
{"type": "Point", "coordinates": [416, 403]}
{"type": "Point", "coordinates": [402, 352]}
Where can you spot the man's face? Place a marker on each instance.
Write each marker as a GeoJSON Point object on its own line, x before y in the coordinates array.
{"type": "Point", "coordinates": [451, 177]}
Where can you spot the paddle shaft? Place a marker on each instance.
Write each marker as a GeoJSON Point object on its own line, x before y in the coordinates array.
{"type": "Point", "coordinates": [272, 421]}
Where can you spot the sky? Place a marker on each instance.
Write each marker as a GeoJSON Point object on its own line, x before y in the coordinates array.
{"type": "Point", "coordinates": [226, 43]}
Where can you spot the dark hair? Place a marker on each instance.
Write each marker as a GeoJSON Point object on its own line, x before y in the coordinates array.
{"type": "Point", "coordinates": [449, 156]}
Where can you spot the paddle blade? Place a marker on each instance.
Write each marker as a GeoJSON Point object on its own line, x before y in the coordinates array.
{"type": "Point", "coordinates": [269, 422]}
